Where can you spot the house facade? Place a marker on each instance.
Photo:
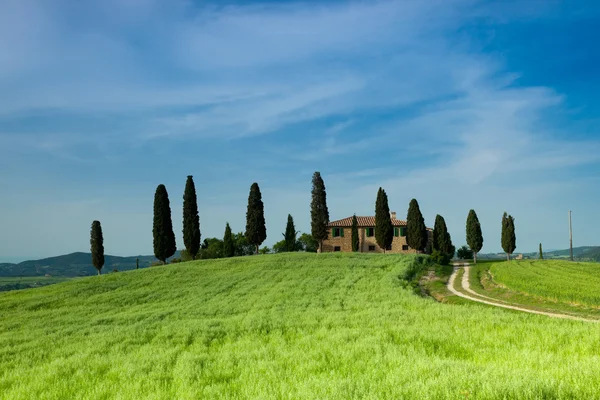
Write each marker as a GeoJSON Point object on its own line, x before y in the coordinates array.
{"type": "Point", "coordinates": [339, 236]}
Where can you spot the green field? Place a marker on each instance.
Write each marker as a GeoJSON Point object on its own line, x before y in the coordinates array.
{"type": "Point", "coordinates": [560, 281]}
{"type": "Point", "coordinates": [296, 326]}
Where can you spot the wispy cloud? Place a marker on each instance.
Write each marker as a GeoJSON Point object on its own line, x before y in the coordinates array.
{"type": "Point", "coordinates": [387, 93]}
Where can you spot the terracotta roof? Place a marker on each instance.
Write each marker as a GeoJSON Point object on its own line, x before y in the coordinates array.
{"type": "Point", "coordinates": [363, 221]}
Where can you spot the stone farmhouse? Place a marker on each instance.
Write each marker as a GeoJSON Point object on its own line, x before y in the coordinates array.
{"type": "Point", "coordinates": [340, 236]}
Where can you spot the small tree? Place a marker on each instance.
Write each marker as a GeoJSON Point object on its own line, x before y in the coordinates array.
{"type": "Point", "coordinates": [416, 231]}
{"type": "Point", "coordinates": [137, 263]}
{"type": "Point", "coordinates": [228, 245]}
{"type": "Point", "coordinates": [474, 235]}
{"type": "Point", "coordinates": [290, 234]}
{"type": "Point", "coordinates": [307, 243]}
{"type": "Point", "coordinates": [541, 253]}
{"type": "Point", "coordinates": [384, 230]}
{"type": "Point", "coordinates": [211, 248]}
{"type": "Point", "coordinates": [355, 239]}
{"type": "Point", "coordinates": [319, 214]}
{"type": "Point", "coordinates": [97, 246]}
{"type": "Point", "coordinates": [162, 230]}
{"type": "Point", "coordinates": [264, 250]}
{"type": "Point", "coordinates": [442, 242]}
{"type": "Point", "coordinates": [256, 230]}
{"type": "Point", "coordinates": [509, 240]}
{"type": "Point", "coordinates": [242, 246]}
{"type": "Point", "coordinates": [191, 220]}
{"type": "Point", "coordinates": [464, 253]}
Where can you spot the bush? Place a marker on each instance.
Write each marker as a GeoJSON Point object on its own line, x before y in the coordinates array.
{"type": "Point", "coordinates": [464, 253]}
{"type": "Point", "coordinates": [439, 258]}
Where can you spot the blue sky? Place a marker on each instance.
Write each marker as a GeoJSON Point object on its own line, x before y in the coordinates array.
{"type": "Point", "coordinates": [459, 103]}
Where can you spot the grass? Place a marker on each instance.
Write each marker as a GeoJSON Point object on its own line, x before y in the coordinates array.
{"type": "Point", "coordinates": [15, 283]}
{"type": "Point", "coordinates": [560, 281]}
{"type": "Point", "coordinates": [549, 285]}
{"type": "Point", "coordinates": [295, 326]}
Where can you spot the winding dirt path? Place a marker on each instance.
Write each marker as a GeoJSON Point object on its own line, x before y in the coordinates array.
{"type": "Point", "coordinates": [474, 296]}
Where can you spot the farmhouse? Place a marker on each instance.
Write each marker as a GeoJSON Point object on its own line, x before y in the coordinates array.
{"type": "Point", "coordinates": [340, 236]}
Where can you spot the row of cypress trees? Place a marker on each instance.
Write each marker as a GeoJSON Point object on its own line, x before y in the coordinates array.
{"type": "Point", "coordinates": [417, 237]}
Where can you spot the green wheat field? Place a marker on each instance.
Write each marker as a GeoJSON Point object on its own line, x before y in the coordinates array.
{"type": "Point", "coordinates": [561, 281]}
{"type": "Point", "coordinates": [289, 326]}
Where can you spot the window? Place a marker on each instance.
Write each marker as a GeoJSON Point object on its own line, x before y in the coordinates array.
{"type": "Point", "coordinates": [371, 248]}
{"type": "Point", "coordinates": [337, 248]}
{"type": "Point", "coordinates": [404, 247]}
{"type": "Point", "coordinates": [403, 231]}
{"type": "Point", "coordinates": [370, 232]}
{"type": "Point", "coordinates": [337, 232]}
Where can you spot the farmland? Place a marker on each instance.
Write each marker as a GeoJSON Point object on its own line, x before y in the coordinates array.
{"type": "Point", "coordinates": [560, 281]}
{"type": "Point", "coordinates": [284, 326]}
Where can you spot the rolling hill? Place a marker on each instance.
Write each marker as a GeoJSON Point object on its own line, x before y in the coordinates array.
{"type": "Point", "coordinates": [72, 265]}
{"type": "Point", "coordinates": [582, 253]}
{"type": "Point", "coordinates": [286, 326]}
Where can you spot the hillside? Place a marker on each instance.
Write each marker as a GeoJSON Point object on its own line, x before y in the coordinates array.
{"type": "Point", "coordinates": [291, 326]}
{"type": "Point", "coordinates": [72, 265]}
{"type": "Point", "coordinates": [582, 253]}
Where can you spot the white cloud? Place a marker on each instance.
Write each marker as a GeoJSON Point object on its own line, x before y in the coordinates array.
{"type": "Point", "coordinates": [395, 73]}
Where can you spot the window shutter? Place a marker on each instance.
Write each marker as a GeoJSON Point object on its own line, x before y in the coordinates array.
{"type": "Point", "coordinates": [342, 232]}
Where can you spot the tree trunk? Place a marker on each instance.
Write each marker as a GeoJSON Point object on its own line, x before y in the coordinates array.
{"type": "Point", "coordinates": [474, 257]}
{"type": "Point", "coordinates": [320, 246]}
{"type": "Point", "coordinates": [257, 249]}
{"type": "Point", "coordinates": [508, 256]}
{"type": "Point", "coordinates": [98, 272]}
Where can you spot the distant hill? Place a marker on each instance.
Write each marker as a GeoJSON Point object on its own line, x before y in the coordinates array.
{"type": "Point", "coordinates": [582, 253]}
{"type": "Point", "coordinates": [73, 265]}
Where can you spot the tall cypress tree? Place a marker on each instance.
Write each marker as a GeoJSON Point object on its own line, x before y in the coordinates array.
{"type": "Point", "coordinates": [319, 214]}
{"type": "Point", "coordinates": [416, 231]}
{"type": "Point", "coordinates": [256, 231]}
{"type": "Point", "coordinates": [509, 239]}
{"type": "Point", "coordinates": [290, 234]}
{"type": "Point", "coordinates": [384, 230]}
{"type": "Point", "coordinates": [228, 245]}
{"type": "Point", "coordinates": [474, 235]}
{"type": "Point", "coordinates": [97, 246]}
{"type": "Point", "coordinates": [191, 220]}
{"type": "Point", "coordinates": [355, 239]}
{"type": "Point", "coordinates": [442, 241]}
{"type": "Point", "coordinates": [541, 253]}
{"type": "Point", "coordinates": [162, 230]}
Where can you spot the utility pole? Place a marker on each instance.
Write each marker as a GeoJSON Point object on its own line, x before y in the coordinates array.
{"type": "Point", "coordinates": [570, 235]}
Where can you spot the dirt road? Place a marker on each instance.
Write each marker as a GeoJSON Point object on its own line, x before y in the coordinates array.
{"type": "Point", "coordinates": [473, 296]}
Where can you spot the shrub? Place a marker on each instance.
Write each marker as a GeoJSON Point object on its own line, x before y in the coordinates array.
{"type": "Point", "coordinates": [439, 258]}
{"type": "Point", "coordinates": [464, 253]}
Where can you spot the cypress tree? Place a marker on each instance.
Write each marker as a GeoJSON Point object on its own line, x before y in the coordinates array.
{"type": "Point", "coordinates": [416, 231]}
{"type": "Point", "coordinates": [162, 230]}
{"type": "Point", "coordinates": [509, 240]}
{"type": "Point", "coordinates": [384, 230]}
{"type": "Point", "coordinates": [474, 235]}
{"type": "Point", "coordinates": [256, 231]}
{"type": "Point", "coordinates": [97, 246]}
{"type": "Point", "coordinates": [355, 239]}
{"type": "Point", "coordinates": [541, 253]}
{"type": "Point", "coordinates": [228, 245]}
{"type": "Point", "coordinates": [319, 214]}
{"type": "Point", "coordinates": [191, 220]}
{"type": "Point", "coordinates": [442, 241]}
{"type": "Point", "coordinates": [137, 263]}
{"type": "Point", "coordinates": [290, 234]}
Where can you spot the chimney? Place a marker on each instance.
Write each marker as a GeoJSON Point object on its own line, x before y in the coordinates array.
{"type": "Point", "coordinates": [393, 214]}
